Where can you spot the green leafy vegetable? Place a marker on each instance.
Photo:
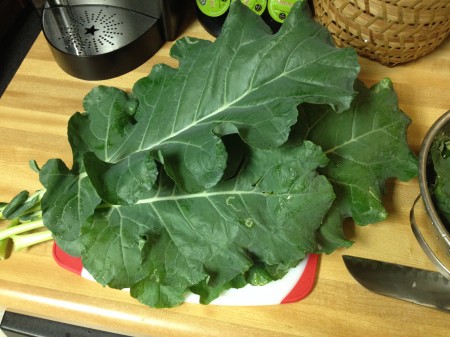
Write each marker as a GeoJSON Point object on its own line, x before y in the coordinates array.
{"type": "Point", "coordinates": [23, 215]}
{"type": "Point", "coordinates": [366, 145]}
{"type": "Point", "coordinates": [229, 169]}
{"type": "Point", "coordinates": [439, 182]}
{"type": "Point", "coordinates": [254, 81]}
{"type": "Point", "coordinates": [263, 213]}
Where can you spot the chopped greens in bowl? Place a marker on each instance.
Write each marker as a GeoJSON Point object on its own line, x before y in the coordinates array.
{"type": "Point", "coordinates": [439, 175]}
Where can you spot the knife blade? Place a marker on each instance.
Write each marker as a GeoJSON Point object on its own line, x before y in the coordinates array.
{"type": "Point", "coordinates": [423, 287]}
{"type": "Point", "coordinates": [18, 325]}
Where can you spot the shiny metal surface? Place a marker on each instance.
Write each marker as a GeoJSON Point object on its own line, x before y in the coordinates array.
{"type": "Point", "coordinates": [427, 288]}
{"type": "Point", "coordinates": [93, 29]}
{"type": "Point", "coordinates": [150, 8]}
{"type": "Point", "coordinates": [438, 249]}
{"type": "Point", "coordinates": [437, 256]}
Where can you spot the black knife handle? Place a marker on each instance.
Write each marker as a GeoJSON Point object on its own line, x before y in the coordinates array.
{"type": "Point", "coordinates": [18, 325]}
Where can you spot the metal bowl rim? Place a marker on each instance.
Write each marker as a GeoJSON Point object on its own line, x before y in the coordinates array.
{"type": "Point", "coordinates": [423, 183]}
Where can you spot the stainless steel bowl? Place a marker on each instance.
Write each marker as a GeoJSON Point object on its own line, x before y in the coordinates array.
{"type": "Point", "coordinates": [436, 246]}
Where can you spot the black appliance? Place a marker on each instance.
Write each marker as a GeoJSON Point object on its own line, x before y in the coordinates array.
{"type": "Point", "coordinates": [95, 40]}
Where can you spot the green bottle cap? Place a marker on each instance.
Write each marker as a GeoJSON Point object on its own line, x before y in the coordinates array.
{"type": "Point", "coordinates": [279, 9]}
{"type": "Point", "coordinates": [257, 6]}
{"type": "Point", "coordinates": [213, 8]}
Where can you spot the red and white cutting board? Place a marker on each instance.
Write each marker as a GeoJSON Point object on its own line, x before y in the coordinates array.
{"type": "Point", "coordinates": [293, 287]}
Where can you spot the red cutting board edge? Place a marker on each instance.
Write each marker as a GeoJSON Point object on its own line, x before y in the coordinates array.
{"type": "Point", "coordinates": [285, 291]}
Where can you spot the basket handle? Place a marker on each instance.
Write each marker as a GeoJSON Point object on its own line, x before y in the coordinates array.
{"type": "Point", "coordinates": [422, 242]}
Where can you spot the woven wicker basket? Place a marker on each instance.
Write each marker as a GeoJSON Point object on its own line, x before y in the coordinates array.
{"type": "Point", "coordinates": [388, 31]}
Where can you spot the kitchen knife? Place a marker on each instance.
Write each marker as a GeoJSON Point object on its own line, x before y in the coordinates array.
{"type": "Point", "coordinates": [18, 325]}
{"type": "Point", "coordinates": [427, 288]}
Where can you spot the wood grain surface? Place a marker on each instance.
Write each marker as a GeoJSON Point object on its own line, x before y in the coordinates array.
{"type": "Point", "coordinates": [33, 117]}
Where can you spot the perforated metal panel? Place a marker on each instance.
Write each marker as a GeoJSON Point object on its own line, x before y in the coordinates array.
{"type": "Point", "coordinates": [100, 39]}
{"type": "Point", "coordinates": [93, 29]}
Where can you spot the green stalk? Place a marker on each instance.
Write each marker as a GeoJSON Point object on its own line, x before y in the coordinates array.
{"type": "Point", "coordinates": [2, 207]}
{"type": "Point", "coordinates": [19, 229]}
{"type": "Point", "coordinates": [5, 243]}
{"type": "Point", "coordinates": [26, 240]}
{"type": "Point", "coordinates": [23, 216]}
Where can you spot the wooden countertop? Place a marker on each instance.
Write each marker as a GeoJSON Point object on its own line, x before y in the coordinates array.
{"type": "Point", "coordinates": [33, 116]}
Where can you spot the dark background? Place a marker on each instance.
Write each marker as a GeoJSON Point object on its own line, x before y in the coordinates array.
{"type": "Point", "coordinates": [19, 27]}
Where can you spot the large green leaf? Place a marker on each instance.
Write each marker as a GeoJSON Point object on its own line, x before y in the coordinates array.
{"type": "Point", "coordinates": [366, 145]}
{"type": "Point", "coordinates": [69, 200]}
{"type": "Point", "coordinates": [268, 213]}
{"type": "Point", "coordinates": [188, 183]}
{"type": "Point", "coordinates": [124, 182]}
{"type": "Point", "coordinates": [248, 81]}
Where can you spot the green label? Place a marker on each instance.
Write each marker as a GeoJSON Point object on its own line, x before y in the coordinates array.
{"type": "Point", "coordinates": [279, 9]}
{"type": "Point", "coordinates": [258, 6]}
{"type": "Point", "coordinates": [216, 8]}
{"type": "Point", "coordinates": [213, 8]}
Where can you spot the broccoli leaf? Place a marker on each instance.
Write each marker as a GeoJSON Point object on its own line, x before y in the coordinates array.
{"type": "Point", "coordinates": [68, 201]}
{"type": "Point", "coordinates": [122, 183]}
{"type": "Point", "coordinates": [171, 241]}
{"type": "Point", "coordinates": [248, 81]}
{"type": "Point", "coordinates": [366, 145]}
{"type": "Point", "coordinates": [188, 183]}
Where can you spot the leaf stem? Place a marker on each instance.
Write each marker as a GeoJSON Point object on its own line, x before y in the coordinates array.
{"type": "Point", "coordinates": [25, 227]}
{"type": "Point", "coordinates": [25, 240]}
{"type": "Point", "coordinates": [2, 207]}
